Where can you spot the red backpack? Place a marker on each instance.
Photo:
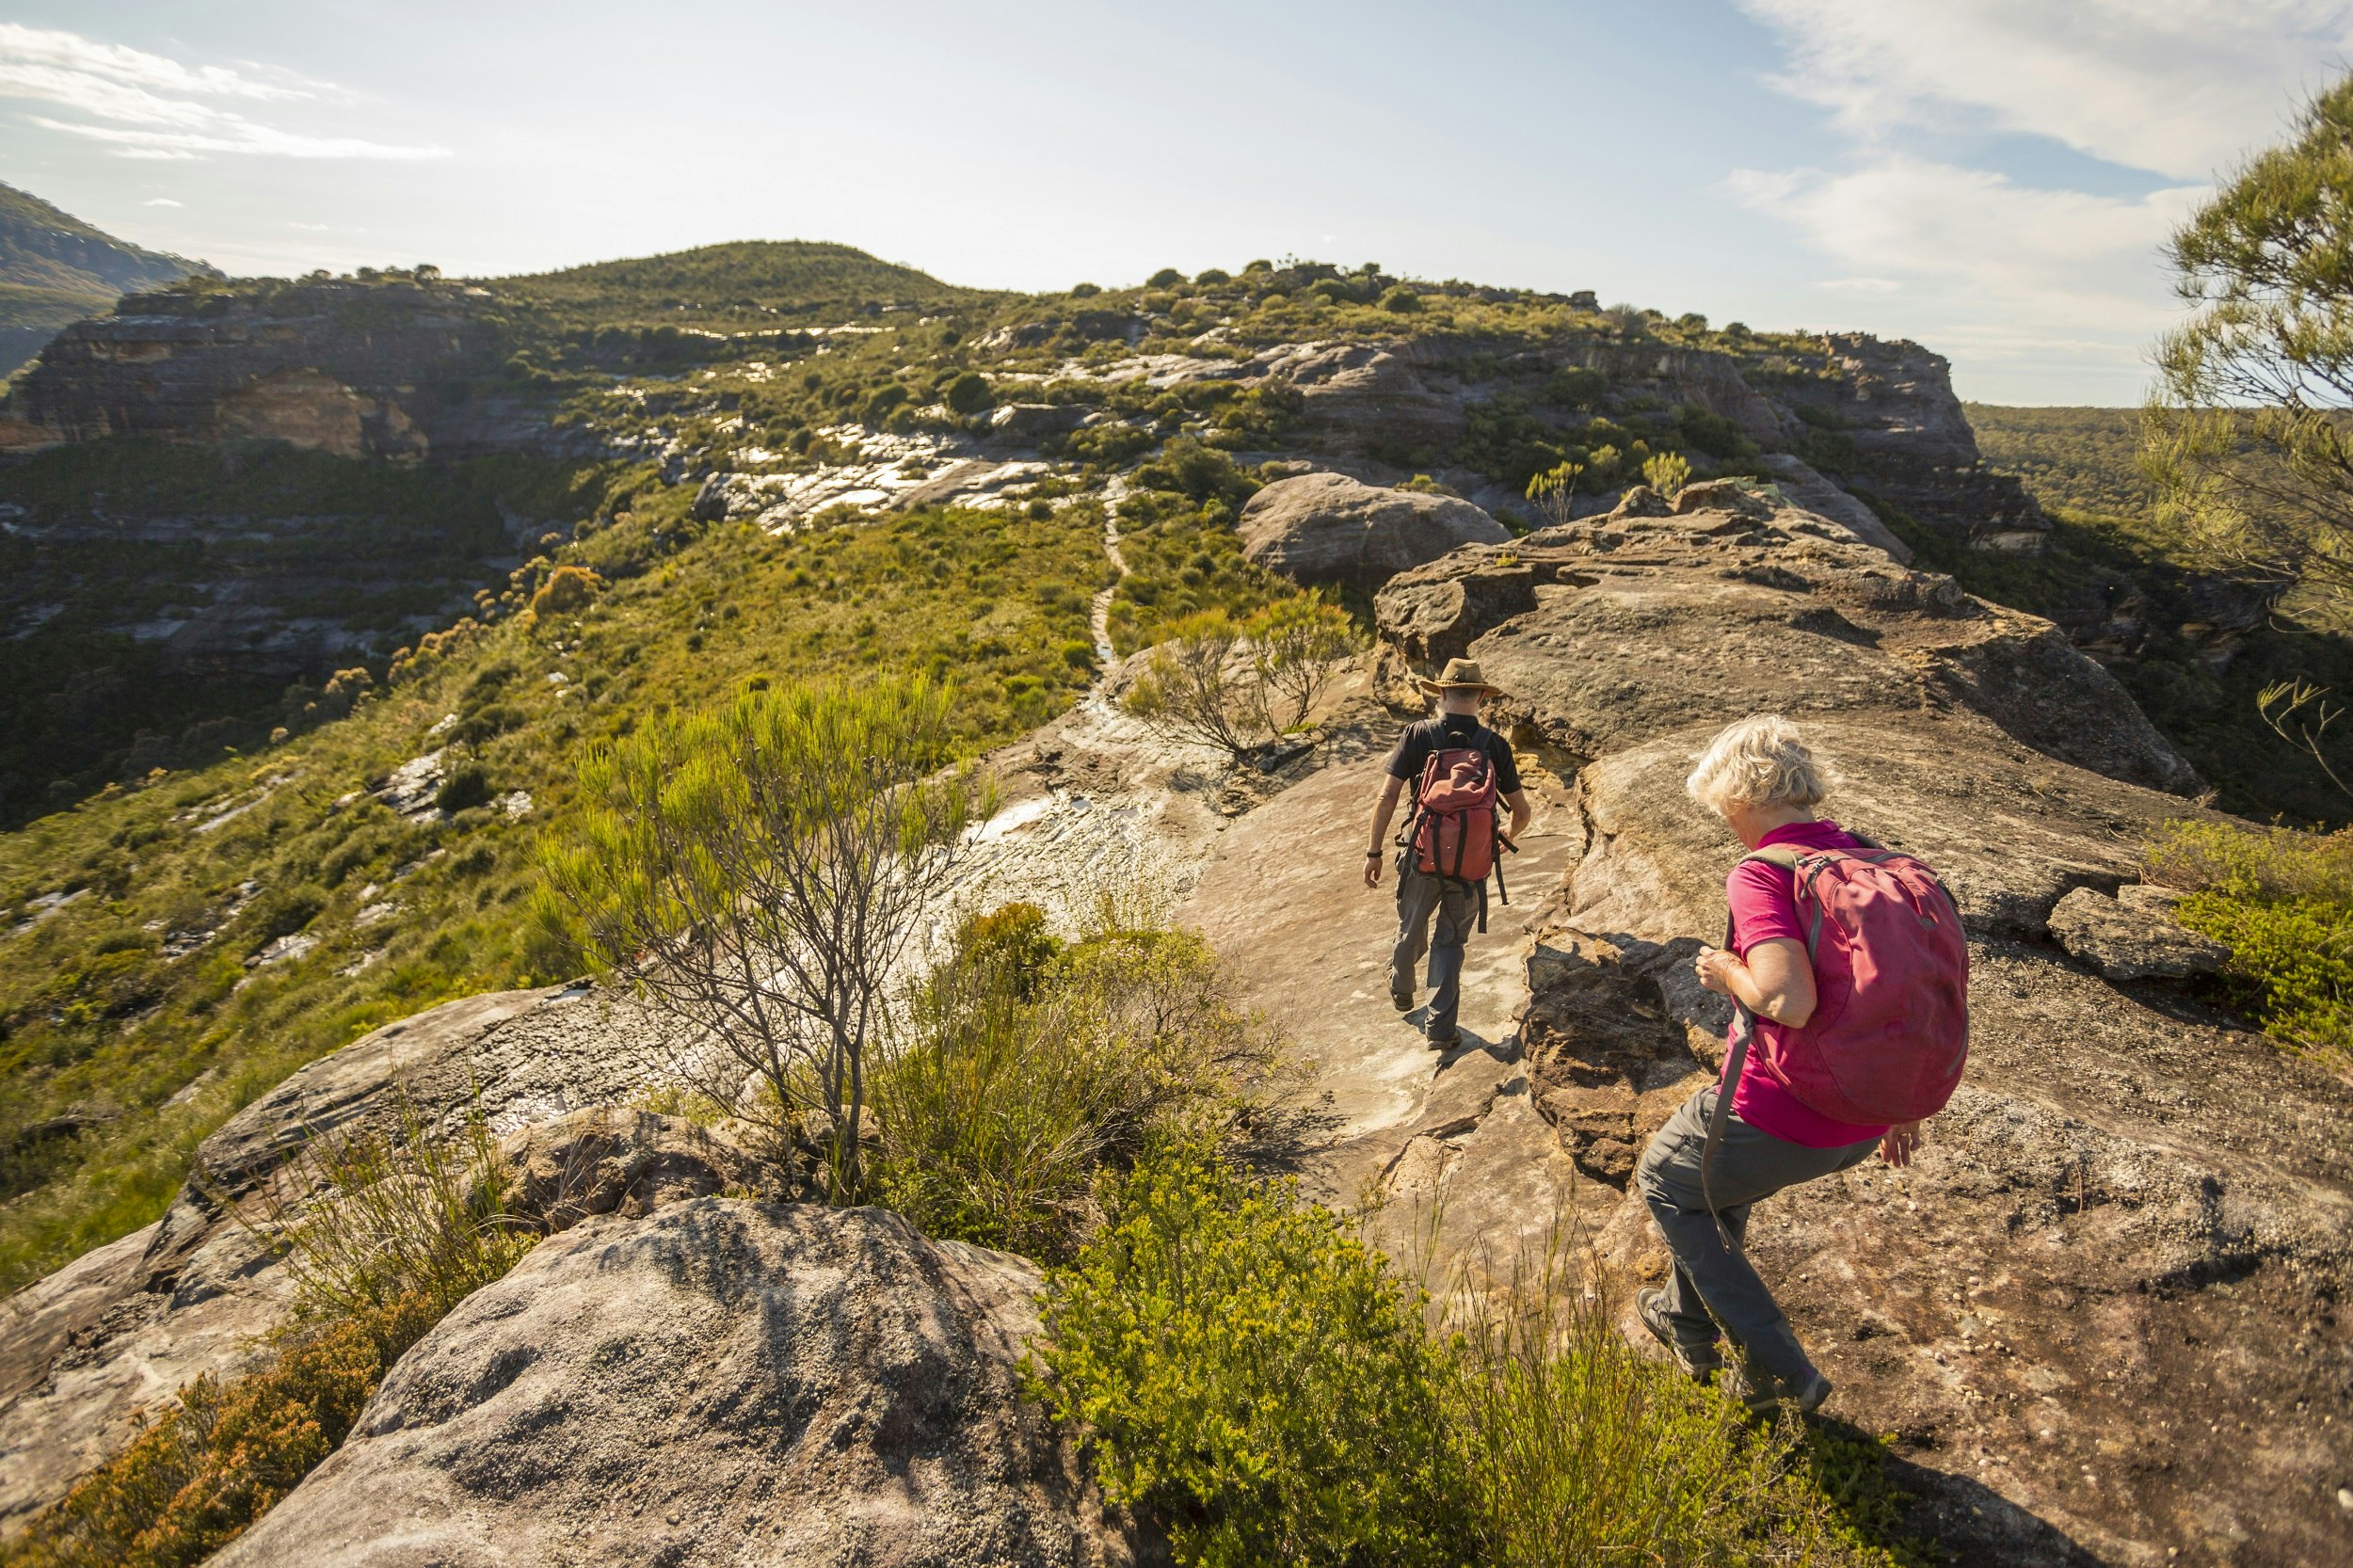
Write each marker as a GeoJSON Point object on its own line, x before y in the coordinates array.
{"type": "Point", "coordinates": [1455, 828]}
{"type": "Point", "coordinates": [1889, 1033]}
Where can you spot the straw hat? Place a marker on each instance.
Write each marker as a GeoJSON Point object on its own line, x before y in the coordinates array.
{"type": "Point", "coordinates": [1458, 674]}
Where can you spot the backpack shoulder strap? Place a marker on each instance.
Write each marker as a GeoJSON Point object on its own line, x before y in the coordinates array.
{"type": "Point", "coordinates": [1784, 856]}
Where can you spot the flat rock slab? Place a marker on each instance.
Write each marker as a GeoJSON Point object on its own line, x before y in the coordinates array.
{"type": "Point", "coordinates": [2136, 940]}
{"type": "Point", "coordinates": [1283, 900]}
{"type": "Point", "coordinates": [1327, 528]}
{"type": "Point", "coordinates": [754, 1384]}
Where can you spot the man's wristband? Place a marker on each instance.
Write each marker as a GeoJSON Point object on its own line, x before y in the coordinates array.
{"type": "Point", "coordinates": [1373, 854]}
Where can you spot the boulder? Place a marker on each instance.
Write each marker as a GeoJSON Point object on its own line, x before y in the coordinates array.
{"type": "Point", "coordinates": [2140, 940]}
{"type": "Point", "coordinates": [611, 1159]}
{"type": "Point", "coordinates": [1364, 399]}
{"type": "Point", "coordinates": [725, 1381]}
{"type": "Point", "coordinates": [126, 1324]}
{"type": "Point", "coordinates": [1327, 528]}
{"type": "Point", "coordinates": [1811, 492]}
{"type": "Point", "coordinates": [1035, 421]}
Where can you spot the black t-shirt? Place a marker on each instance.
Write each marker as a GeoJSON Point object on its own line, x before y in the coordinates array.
{"type": "Point", "coordinates": [1451, 733]}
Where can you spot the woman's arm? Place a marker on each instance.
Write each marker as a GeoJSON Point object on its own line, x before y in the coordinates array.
{"type": "Point", "coordinates": [1776, 982]}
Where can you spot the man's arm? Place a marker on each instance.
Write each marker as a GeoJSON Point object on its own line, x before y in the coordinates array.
{"type": "Point", "coordinates": [1521, 813]}
{"type": "Point", "coordinates": [1390, 790]}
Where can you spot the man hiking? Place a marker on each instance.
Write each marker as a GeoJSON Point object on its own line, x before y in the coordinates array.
{"type": "Point", "coordinates": [1449, 846]}
{"type": "Point", "coordinates": [1847, 971]}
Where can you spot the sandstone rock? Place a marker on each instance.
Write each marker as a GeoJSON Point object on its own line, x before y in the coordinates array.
{"type": "Point", "coordinates": [710, 499]}
{"type": "Point", "coordinates": [1365, 397]}
{"type": "Point", "coordinates": [1032, 422]}
{"type": "Point", "coordinates": [609, 1160]}
{"type": "Point", "coordinates": [1327, 528]}
{"type": "Point", "coordinates": [2140, 940]}
{"type": "Point", "coordinates": [2127, 1198]}
{"type": "Point", "coordinates": [287, 365]}
{"type": "Point", "coordinates": [126, 1324]}
{"type": "Point", "coordinates": [763, 1383]}
{"type": "Point", "coordinates": [1706, 616]}
{"type": "Point", "coordinates": [1717, 495]}
{"type": "Point", "coordinates": [1810, 491]}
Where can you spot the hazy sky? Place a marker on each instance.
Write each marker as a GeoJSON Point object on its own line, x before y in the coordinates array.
{"type": "Point", "coordinates": [1993, 178]}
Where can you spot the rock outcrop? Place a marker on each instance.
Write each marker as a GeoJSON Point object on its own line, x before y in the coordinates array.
{"type": "Point", "coordinates": [2099, 1312]}
{"type": "Point", "coordinates": [1327, 528]}
{"type": "Point", "coordinates": [767, 1384]}
{"type": "Point", "coordinates": [126, 1324]}
{"type": "Point", "coordinates": [1811, 492]}
{"type": "Point", "coordinates": [2133, 935]}
{"type": "Point", "coordinates": [379, 369]}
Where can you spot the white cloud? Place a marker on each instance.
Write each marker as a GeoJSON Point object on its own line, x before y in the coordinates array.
{"type": "Point", "coordinates": [2181, 86]}
{"type": "Point", "coordinates": [162, 202]}
{"type": "Point", "coordinates": [145, 106]}
{"type": "Point", "coordinates": [1994, 274]}
{"type": "Point", "coordinates": [2006, 278]}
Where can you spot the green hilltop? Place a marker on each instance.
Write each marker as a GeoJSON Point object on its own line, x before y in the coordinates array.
{"type": "Point", "coordinates": [744, 281]}
{"type": "Point", "coordinates": [56, 269]}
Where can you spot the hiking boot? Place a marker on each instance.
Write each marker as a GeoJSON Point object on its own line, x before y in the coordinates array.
{"type": "Point", "coordinates": [1766, 1395]}
{"type": "Point", "coordinates": [1401, 1000]}
{"type": "Point", "coordinates": [1445, 1041]}
{"type": "Point", "coordinates": [1697, 1361]}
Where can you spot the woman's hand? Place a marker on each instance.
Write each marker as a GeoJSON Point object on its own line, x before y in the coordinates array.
{"type": "Point", "coordinates": [1714, 966]}
{"type": "Point", "coordinates": [1896, 1148]}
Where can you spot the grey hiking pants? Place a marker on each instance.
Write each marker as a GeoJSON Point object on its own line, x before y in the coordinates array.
{"type": "Point", "coordinates": [1455, 906]}
{"type": "Point", "coordinates": [1712, 1282]}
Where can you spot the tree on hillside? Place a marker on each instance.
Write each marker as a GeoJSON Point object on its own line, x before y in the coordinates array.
{"type": "Point", "coordinates": [761, 873]}
{"type": "Point", "coordinates": [1233, 685]}
{"type": "Point", "coordinates": [2250, 434]}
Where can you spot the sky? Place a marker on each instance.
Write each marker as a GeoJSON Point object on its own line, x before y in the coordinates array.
{"type": "Point", "coordinates": [1993, 178]}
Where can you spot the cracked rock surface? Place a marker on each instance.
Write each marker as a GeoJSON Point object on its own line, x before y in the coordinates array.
{"type": "Point", "coordinates": [819, 1386]}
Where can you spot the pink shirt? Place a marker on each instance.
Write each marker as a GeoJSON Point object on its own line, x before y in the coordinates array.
{"type": "Point", "coordinates": [1764, 907]}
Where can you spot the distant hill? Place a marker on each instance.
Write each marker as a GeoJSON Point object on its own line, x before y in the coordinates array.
{"type": "Point", "coordinates": [2084, 459]}
{"type": "Point", "coordinates": [56, 269]}
{"type": "Point", "coordinates": [739, 283]}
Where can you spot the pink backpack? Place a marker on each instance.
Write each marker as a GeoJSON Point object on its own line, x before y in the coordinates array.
{"type": "Point", "coordinates": [1890, 1030]}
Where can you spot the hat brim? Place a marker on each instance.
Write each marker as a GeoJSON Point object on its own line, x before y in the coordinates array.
{"type": "Point", "coordinates": [1435, 687]}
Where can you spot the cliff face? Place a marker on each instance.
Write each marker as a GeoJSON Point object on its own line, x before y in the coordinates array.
{"type": "Point", "coordinates": [59, 269]}
{"type": "Point", "coordinates": [359, 369]}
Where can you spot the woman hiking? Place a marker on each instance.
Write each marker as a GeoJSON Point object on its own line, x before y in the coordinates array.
{"type": "Point", "coordinates": [1847, 971]}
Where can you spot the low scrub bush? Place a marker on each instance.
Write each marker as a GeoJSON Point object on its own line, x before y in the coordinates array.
{"type": "Point", "coordinates": [1030, 1066]}
{"type": "Point", "coordinates": [2281, 900]}
{"type": "Point", "coordinates": [1251, 1376]}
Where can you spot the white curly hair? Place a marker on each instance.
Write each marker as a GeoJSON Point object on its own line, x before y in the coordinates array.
{"type": "Point", "coordinates": [1760, 761]}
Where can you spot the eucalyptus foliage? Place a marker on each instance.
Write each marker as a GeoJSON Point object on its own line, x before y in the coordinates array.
{"type": "Point", "coordinates": [2250, 435]}
{"type": "Point", "coordinates": [761, 871]}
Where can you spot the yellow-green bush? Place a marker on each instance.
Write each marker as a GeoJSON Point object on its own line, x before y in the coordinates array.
{"type": "Point", "coordinates": [2281, 900]}
{"type": "Point", "coordinates": [1251, 1376]}
{"type": "Point", "coordinates": [1028, 1067]}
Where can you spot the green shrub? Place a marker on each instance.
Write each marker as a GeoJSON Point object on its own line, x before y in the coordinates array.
{"type": "Point", "coordinates": [1084, 291]}
{"type": "Point", "coordinates": [1211, 277]}
{"type": "Point", "coordinates": [967, 392]}
{"type": "Point", "coordinates": [2281, 900]}
{"type": "Point", "coordinates": [1028, 1069]}
{"type": "Point", "coordinates": [1402, 300]}
{"type": "Point", "coordinates": [467, 784]}
{"type": "Point", "coordinates": [1250, 1375]}
{"type": "Point", "coordinates": [1167, 278]}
